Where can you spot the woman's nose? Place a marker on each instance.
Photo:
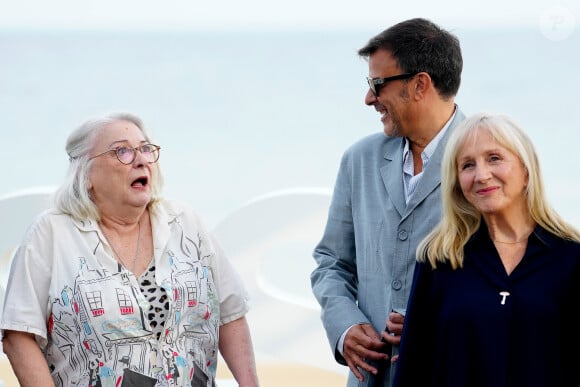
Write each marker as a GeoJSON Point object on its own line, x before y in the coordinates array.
{"type": "Point", "coordinates": [139, 159]}
{"type": "Point", "coordinates": [482, 172]}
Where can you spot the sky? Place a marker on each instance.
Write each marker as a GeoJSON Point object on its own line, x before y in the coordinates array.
{"type": "Point", "coordinates": [272, 14]}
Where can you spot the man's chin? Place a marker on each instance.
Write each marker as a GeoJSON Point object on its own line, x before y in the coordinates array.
{"type": "Point", "coordinates": [389, 131]}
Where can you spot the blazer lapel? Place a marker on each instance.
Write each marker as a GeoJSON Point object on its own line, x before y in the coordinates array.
{"type": "Point", "coordinates": [392, 174]}
{"type": "Point", "coordinates": [432, 174]}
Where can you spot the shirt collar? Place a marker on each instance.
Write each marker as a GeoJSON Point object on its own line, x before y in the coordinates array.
{"type": "Point", "coordinates": [162, 214]}
{"type": "Point", "coordinates": [430, 148]}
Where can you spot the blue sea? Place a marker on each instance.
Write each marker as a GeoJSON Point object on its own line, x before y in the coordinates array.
{"type": "Point", "coordinates": [252, 126]}
{"type": "Point", "coordinates": [243, 114]}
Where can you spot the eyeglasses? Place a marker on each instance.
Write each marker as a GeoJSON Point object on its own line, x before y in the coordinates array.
{"type": "Point", "coordinates": [127, 155]}
{"type": "Point", "coordinates": [375, 84]}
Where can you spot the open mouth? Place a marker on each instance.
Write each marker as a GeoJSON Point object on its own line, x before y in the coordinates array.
{"type": "Point", "coordinates": [140, 182]}
{"type": "Point", "coordinates": [383, 112]}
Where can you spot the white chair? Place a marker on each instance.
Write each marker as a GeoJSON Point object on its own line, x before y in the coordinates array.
{"type": "Point", "coordinates": [17, 210]}
{"type": "Point", "coordinates": [270, 241]}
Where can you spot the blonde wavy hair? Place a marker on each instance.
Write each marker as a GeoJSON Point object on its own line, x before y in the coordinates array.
{"type": "Point", "coordinates": [460, 219]}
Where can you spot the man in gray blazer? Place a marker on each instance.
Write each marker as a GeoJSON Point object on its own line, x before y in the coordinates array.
{"type": "Point", "coordinates": [387, 197]}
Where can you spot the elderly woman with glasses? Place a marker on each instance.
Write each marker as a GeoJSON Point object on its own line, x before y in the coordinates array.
{"type": "Point", "coordinates": [116, 286]}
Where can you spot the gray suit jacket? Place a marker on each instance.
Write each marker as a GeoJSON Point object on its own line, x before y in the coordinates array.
{"type": "Point", "coordinates": [366, 257]}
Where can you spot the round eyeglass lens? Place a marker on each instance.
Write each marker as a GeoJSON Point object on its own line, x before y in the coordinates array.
{"type": "Point", "coordinates": [126, 155]}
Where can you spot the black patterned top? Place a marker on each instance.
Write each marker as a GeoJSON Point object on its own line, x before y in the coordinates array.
{"type": "Point", "coordinates": [157, 297]}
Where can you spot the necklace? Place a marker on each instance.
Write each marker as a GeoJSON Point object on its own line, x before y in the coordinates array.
{"type": "Point", "coordinates": [510, 243]}
{"type": "Point", "coordinates": [524, 239]}
{"type": "Point", "coordinates": [121, 260]}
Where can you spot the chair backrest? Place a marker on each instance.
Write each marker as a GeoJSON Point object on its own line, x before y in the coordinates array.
{"type": "Point", "coordinates": [17, 210]}
{"type": "Point", "coordinates": [270, 241]}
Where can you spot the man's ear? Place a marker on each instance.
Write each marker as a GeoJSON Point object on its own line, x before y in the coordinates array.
{"type": "Point", "coordinates": [423, 84]}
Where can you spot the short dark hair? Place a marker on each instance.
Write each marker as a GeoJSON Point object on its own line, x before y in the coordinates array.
{"type": "Point", "coordinates": [421, 45]}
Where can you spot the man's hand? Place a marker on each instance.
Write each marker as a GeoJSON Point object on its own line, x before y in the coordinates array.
{"type": "Point", "coordinates": [394, 330]}
{"type": "Point", "coordinates": [363, 343]}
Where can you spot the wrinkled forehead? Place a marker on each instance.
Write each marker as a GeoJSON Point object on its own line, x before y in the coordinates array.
{"type": "Point", "coordinates": [122, 132]}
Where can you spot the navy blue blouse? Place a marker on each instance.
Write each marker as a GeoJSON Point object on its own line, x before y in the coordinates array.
{"type": "Point", "coordinates": [461, 330]}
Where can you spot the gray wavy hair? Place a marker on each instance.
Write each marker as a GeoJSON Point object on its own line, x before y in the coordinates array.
{"type": "Point", "coordinates": [73, 196]}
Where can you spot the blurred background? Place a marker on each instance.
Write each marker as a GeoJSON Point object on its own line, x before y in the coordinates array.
{"type": "Point", "coordinates": [253, 104]}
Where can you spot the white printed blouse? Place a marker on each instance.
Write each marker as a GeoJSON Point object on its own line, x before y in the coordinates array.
{"type": "Point", "coordinates": [88, 313]}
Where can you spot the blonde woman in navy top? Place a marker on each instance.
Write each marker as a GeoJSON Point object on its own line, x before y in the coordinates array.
{"type": "Point", "coordinates": [496, 290]}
